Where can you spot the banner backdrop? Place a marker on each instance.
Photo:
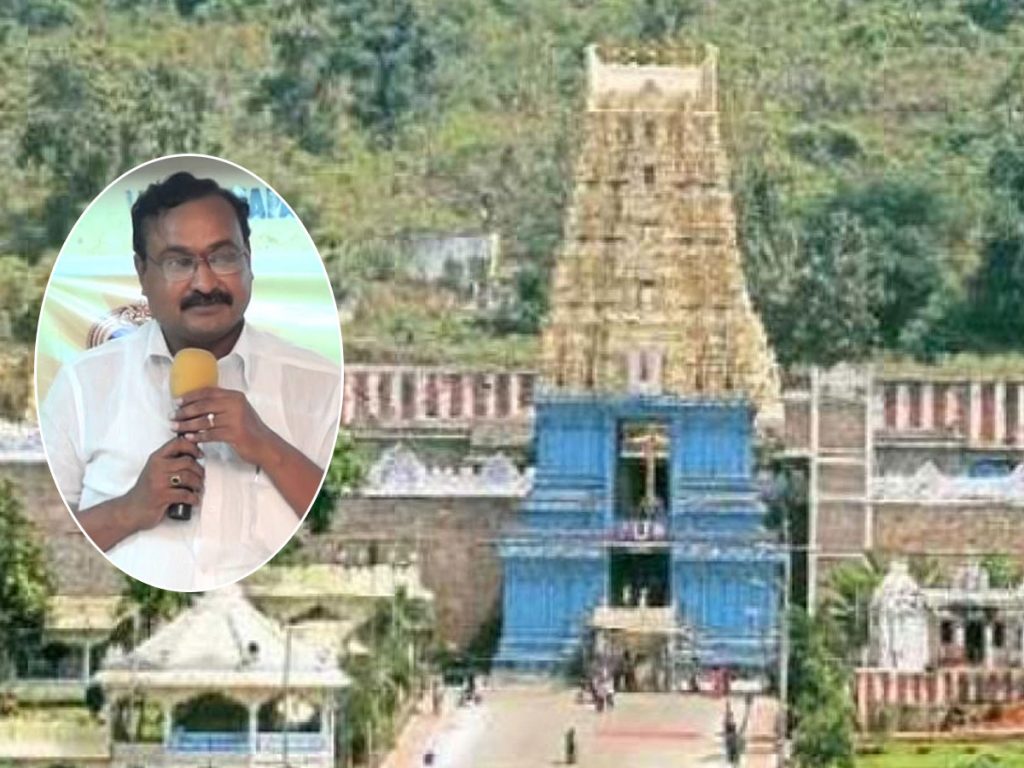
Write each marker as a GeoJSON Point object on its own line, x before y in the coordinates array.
{"type": "Point", "coordinates": [94, 295]}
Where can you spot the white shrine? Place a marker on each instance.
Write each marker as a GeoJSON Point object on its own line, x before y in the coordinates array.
{"type": "Point", "coordinates": [230, 686]}
{"type": "Point", "coordinates": [966, 624]}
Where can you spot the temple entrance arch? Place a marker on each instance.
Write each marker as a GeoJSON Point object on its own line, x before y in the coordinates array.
{"type": "Point", "coordinates": [212, 711]}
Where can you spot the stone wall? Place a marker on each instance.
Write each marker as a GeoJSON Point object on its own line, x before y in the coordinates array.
{"type": "Point", "coordinates": [947, 528]}
{"type": "Point", "coordinates": [78, 567]}
{"type": "Point", "coordinates": [456, 545]}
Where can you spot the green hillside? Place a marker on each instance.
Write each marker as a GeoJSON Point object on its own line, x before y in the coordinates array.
{"type": "Point", "coordinates": [877, 149]}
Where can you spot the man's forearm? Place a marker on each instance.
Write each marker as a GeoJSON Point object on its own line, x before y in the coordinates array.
{"type": "Point", "coordinates": [296, 478]}
{"type": "Point", "coordinates": [107, 523]}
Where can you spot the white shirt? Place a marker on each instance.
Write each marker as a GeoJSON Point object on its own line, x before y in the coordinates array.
{"type": "Point", "coordinates": [109, 409]}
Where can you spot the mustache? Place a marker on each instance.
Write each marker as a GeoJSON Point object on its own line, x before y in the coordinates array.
{"type": "Point", "coordinates": [197, 299]}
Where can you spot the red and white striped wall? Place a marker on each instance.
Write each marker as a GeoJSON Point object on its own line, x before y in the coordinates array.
{"type": "Point", "coordinates": [400, 395]}
{"type": "Point", "coordinates": [980, 412]}
{"type": "Point", "coordinates": [878, 688]}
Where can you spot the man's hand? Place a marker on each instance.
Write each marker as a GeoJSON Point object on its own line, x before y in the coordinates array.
{"type": "Point", "coordinates": [172, 474]}
{"type": "Point", "coordinates": [215, 415]}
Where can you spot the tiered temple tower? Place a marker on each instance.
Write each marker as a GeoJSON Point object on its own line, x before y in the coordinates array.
{"type": "Point", "coordinates": [644, 530]}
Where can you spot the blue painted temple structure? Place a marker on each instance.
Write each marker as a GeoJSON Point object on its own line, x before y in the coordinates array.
{"type": "Point", "coordinates": [584, 543]}
{"type": "Point", "coordinates": [644, 529]}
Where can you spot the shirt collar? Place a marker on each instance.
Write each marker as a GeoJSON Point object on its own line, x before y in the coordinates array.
{"type": "Point", "coordinates": [156, 348]}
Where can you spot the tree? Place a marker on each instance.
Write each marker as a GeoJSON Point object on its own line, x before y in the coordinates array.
{"type": "Point", "coordinates": [382, 680]}
{"type": "Point", "coordinates": [25, 580]}
{"type": "Point", "coordinates": [995, 291]}
{"type": "Point", "coordinates": [37, 15]}
{"type": "Point", "coordinates": [902, 220]}
{"type": "Point", "coordinates": [379, 52]}
{"type": "Point", "coordinates": [835, 292]}
{"type": "Point", "coordinates": [301, 90]}
{"type": "Point", "coordinates": [824, 712]}
{"type": "Point", "coordinates": [83, 131]}
{"type": "Point", "coordinates": [846, 605]}
{"type": "Point", "coordinates": [151, 605]}
{"type": "Point", "coordinates": [344, 475]}
{"type": "Point", "coordinates": [662, 20]}
{"type": "Point", "coordinates": [1003, 571]}
{"type": "Point", "coordinates": [770, 255]}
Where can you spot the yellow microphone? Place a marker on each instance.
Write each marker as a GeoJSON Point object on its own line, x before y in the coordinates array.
{"type": "Point", "coordinates": [192, 369]}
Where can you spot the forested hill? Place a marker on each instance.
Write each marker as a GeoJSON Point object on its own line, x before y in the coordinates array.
{"type": "Point", "coordinates": [877, 148]}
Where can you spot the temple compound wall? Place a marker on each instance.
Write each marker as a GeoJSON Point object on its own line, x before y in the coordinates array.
{"type": "Point", "coordinates": [900, 465]}
{"type": "Point", "coordinates": [450, 522]}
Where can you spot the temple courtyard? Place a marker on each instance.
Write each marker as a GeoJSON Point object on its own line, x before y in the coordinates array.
{"type": "Point", "coordinates": [524, 726]}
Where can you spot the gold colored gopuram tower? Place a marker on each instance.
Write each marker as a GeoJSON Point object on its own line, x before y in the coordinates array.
{"type": "Point", "coordinates": [649, 295]}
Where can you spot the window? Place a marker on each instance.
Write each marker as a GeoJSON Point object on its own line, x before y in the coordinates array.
{"type": "Point", "coordinates": [946, 632]}
{"type": "Point", "coordinates": [998, 635]}
{"type": "Point", "coordinates": [649, 175]}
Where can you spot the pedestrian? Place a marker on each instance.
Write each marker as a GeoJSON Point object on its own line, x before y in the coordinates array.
{"type": "Point", "coordinates": [436, 697]}
{"type": "Point", "coordinates": [731, 737]}
{"type": "Point", "coordinates": [570, 747]}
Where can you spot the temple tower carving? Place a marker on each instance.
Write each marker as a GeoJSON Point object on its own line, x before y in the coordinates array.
{"type": "Point", "coordinates": [648, 293]}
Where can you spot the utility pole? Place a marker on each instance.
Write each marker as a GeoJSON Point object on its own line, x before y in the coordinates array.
{"type": "Point", "coordinates": [285, 699]}
{"type": "Point", "coordinates": [784, 644]}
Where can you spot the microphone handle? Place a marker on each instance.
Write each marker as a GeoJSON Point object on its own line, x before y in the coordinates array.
{"type": "Point", "coordinates": [180, 511]}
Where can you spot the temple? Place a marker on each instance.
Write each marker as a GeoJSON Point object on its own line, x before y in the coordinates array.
{"type": "Point", "coordinates": [642, 540]}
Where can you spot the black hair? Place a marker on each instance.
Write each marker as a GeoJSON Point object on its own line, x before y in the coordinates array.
{"type": "Point", "coordinates": [175, 190]}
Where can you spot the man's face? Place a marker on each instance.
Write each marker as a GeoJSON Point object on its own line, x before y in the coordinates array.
{"type": "Point", "coordinates": [203, 309]}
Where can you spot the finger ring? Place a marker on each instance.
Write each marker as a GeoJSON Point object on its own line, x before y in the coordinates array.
{"type": "Point", "coordinates": [175, 480]}
{"type": "Point", "coordinates": [209, 417]}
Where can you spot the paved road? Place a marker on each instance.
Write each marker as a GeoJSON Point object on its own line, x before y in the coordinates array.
{"type": "Point", "coordinates": [524, 726]}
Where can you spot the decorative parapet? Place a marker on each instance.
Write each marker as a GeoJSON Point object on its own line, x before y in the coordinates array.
{"type": "Point", "coordinates": [979, 411]}
{"type": "Point", "coordinates": [381, 396]}
{"type": "Point", "coordinates": [941, 405]}
{"type": "Point", "coordinates": [400, 472]}
{"type": "Point", "coordinates": [668, 73]}
{"type": "Point", "coordinates": [928, 484]}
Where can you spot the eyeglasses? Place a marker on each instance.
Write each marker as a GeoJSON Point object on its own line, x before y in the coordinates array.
{"type": "Point", "coordinates": [223, 261]}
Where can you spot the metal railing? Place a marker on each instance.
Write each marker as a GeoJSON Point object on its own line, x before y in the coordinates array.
{"type": "Point", "coordinates": [231, 742]}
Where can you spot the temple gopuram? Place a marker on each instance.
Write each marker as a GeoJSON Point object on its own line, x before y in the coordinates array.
{"type": "Point", "coordinates": [642, 545]}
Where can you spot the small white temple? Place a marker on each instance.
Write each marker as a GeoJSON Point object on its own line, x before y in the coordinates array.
{"type": "Point", "coordinates": [231, 687]}
{"type": "Point", "coordinates": [966, 624]}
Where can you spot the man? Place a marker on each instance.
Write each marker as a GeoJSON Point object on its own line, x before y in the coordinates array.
{"type": "Point", "coordinates": [248, 455]}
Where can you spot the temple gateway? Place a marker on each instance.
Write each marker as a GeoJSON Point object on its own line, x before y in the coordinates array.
{"type": "Point", "coordinates": [642, 542]}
